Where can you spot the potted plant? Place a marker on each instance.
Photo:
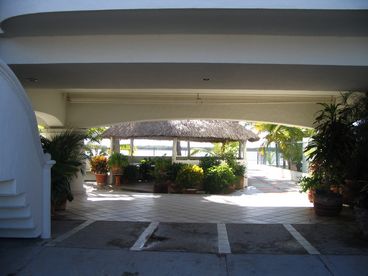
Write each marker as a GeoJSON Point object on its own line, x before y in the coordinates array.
{"type": "Point", "coordinates": [117, 162]}
{"type": "Point", "coordinates": [100, 168]}
{"type": "Point", "coordinates": [66, 149]}
{"type": "Point", "coordinates": [160, 173]}
{"type": "Point", "coordinates": [239, 172]}
{"type": "Point", "coordinates": [309, 185]}
{"type": "Point", "coordinates": [328, 153]}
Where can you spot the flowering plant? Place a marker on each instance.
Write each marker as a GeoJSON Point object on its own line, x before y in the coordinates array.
{"type": "Point", "coordinates": [99, 164]}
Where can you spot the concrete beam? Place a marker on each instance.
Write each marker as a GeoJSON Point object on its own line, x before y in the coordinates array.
{"type": "Point", "coordinates": [50, 107]}
{"type": "Point", "coordinates": [236, 49]}
{"type": "Point", "coordinates": [107, 114]}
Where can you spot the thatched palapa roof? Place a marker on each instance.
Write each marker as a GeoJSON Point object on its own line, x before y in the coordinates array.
{"type": "Point", "coordinates": [193, 130]}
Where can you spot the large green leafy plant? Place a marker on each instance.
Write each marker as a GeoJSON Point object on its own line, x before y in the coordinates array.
{"type": "Point", "coordinates": [331, 145]}
{"type": "Point", "coordinates": [356, 109]}
{"type": "Point", "coordinates": [218, 179]}
{"type": "Point", "coordinates": [190, 176]}
{"type": "Point", "coordinates": [66, 149]}
{"type": "Point", "coordinates": [117, 162]}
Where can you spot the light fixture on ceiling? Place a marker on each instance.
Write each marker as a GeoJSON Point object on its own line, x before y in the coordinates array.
{"type": "Point", "coordinates": [31, 79]}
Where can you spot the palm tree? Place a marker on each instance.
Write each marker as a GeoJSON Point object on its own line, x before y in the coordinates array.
{"type": "Point", "coordinates": [66, 149]}
{"type": "Point", "coordinates": [286, 140]}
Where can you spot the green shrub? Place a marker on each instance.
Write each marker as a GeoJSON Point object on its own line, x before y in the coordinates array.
{"type": "Point", "coordinates": [146, 169]}
{"type": "Point", "coordinates": [117, 159]}
{"type": "Point", "coordinates": [238, 169]}
{"type": "Point", "coordinates": [173, 170]}
{"type": "Point", "coordinates": [218, 179]}
{"type": "Point", "coordinates": [307, 183]}
{"type": "Point", "coordinates": [131, 172]}
{"type": "Point", "coordinates": [190, 176]}
{"type": "Point", "coordinates": [160, 172]}
{"type": "Point", "coordinates": [65, 149]}
{"type": "Point", "coordinates": [208, 162]}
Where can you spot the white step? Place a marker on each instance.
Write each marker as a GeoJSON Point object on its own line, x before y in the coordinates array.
{"type": "Point", "coordinates": [21, 223]}
{"type": "Point", "coordinates": [15, 212]}
{"type": "Point", "coordinates": [7, 186]}
{"type": "Point", "coordinates": [17, 200]}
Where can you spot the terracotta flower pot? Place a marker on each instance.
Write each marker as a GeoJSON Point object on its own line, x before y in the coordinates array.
{"type": "Point", "coordinates": [117, 170]}
{"type": "Point", "coordinates": [311, 194]}
{"type": "Point", "coordinates": [101, 179]}
{"type": "Point", "coordinates": [117, 180]}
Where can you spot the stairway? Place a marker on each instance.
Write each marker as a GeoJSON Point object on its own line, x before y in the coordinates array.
{"type": "Point", "coordinates": [15, 213]}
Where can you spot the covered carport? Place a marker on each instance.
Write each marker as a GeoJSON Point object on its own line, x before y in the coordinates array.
{"type": "Point", "coordinates": [80, 64]}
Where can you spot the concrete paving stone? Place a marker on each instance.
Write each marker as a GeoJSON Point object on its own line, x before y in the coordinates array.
{"type": "Point", "coordinates": [106, 234]}
{"type": "Point", "coordinates": [261, 239]}
{"type": "Point", "coordinates": [275, 265]}
{"type": "Point", "coordinates": [59, 227]}
{"type": "Point", "coordinates": [73, 261]}
{"type": "Point", "coordinates": [184, 237]}
{"type": "Point", "coordinates": [333, 239]}
{"type": "Point", "coordinates": [15, 254]}
{"type": "Point", "coordinates": [348, 265]}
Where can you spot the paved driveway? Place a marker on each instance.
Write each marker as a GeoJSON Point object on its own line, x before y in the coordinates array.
{"type": "Point", "coordinates": [267, 229]}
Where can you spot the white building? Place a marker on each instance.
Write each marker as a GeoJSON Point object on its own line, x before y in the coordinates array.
{"type": "Point", "coordinates": [88, 63]}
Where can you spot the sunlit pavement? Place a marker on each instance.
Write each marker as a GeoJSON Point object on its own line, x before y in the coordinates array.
{"type": "Point", "coordinates": [267, 229]}
{"type": "Point", "coordinates": [268, 199]}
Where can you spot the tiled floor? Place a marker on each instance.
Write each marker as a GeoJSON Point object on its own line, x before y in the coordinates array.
{"type": "Point", "coordinates": [266, 200]}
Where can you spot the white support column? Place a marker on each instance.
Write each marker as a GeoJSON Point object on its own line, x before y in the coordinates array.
{"type": "Point", "coordinates": [245, 162]}
{"type": "Point", "coordinates": [131, 149]}
{"type": "Point", "coordinates": [46, 202]}
{"type": "Point", "coordinates": [174, 150]}
{"type": "Point", "coordinates": [115, 144]}
{"type": "Point", "coordinates": [305, 163]}
{"type": "Point", "coordinates": [188, 150]}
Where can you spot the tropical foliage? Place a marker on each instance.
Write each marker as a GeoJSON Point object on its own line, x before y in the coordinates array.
{"type": "Point", "coordinates": [99, 164]}
{"type": "Point", "coordinates": [218, 179]}
{"type": "Point", "coordinates": [190, 176]}
{"type": "Point", "coordinates": [117, 159]}
{"type": "Point", "coordinates": [331, 145]}
{"type": "Point", "coordinates": [287, 140]}
{"type": "Point", "coordinates": [208, 162]}
{"type": "Point", "coordinates": [92, 143]}
{"type": "Point", "coordinates": [66, 149]}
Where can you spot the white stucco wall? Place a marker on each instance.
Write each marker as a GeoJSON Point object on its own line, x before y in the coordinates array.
{"type": "Point", "coordinates": [50, 106]}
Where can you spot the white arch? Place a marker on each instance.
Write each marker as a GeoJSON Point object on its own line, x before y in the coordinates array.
{"type": "Point", "coordinates": [25, 169]}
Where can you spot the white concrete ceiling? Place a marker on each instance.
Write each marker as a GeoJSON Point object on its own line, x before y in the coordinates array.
{"type": "Point", "coordinates": [192, 76]}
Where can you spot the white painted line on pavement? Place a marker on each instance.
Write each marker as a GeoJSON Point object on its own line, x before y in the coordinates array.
{"type": "Point", "coordinates": [303, 242]}
{"type": "Point", "coordinates": [138, 245]}
{"type": "Point", "coordinates": [223, 241]}
{"type": "Point", "coordinates": [69, 233]}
